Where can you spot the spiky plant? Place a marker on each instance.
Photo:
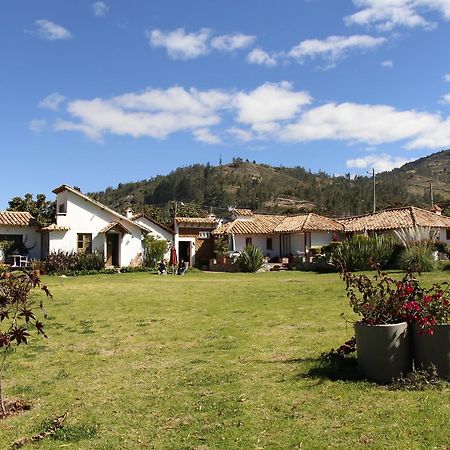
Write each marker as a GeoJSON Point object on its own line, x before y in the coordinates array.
{"type": "Point", "coordinates": [250, 259]}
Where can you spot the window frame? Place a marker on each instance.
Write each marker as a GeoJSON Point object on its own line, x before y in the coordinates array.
{"type": "Point", "coordinates": [86, 243]}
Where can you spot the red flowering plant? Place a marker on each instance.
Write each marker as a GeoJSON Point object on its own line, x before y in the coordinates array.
{"type": "Point", "coordinates": [426, 307]}
{"type": "Point", "coordinates": [379, 300]}
{"type": "Point", "coordinates": [383, 300]}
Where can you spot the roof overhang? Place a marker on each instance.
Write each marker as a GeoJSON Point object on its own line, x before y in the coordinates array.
{"type": "Point", "coordinates": [115, 226]}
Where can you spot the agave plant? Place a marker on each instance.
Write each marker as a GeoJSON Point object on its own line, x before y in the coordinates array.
{"type": "Point", "coordinates": [415, 235]}
{"type": "Point", "coordinates": [363, 252]}
{"type": "Point", "coordinates": [419, 243]}
{"type": "Point", "coordinates": [250, 259]}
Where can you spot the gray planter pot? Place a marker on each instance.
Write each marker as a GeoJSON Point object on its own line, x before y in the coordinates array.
{"type": "Point", "coordinates": [433, 349]}
{"type": "Point", "coordinates": [383, 351]}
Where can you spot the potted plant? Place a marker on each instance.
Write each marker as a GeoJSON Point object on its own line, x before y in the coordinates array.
{"type": "Point", "coordinates": [221, 247]}
{"type": "Point", "coordinates": [429, 313]}
{"type": "Point", "coordinates": [382, 338]}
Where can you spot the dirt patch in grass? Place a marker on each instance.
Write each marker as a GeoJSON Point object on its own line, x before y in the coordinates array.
{"type": "Point", "coordinates": [15, 407]}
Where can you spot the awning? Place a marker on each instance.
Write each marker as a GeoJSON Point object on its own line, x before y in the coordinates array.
{"type": "Point", "coordinates": [115, 226]}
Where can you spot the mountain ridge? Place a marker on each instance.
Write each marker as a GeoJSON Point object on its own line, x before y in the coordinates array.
{"type": "Point", "coordinates": [279, 189]}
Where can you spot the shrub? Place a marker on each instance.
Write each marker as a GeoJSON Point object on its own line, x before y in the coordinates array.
{"type": "Point", "coordinates": [65, 263]}
{"type": "Point", "coordinates": [417, 258]}
{"type": "Point", "coordinates": [61, 262]}
{"type": "Point", "coordinates": [91, 261]}
{"type": "Point", "coordinates": [250, 259]}
{"type": "Point", "coordinates": [5, 248]}
{"type": "Point", "coordinates": [362, 252]}
{"type": "Point", "coordinates": [154, 250]}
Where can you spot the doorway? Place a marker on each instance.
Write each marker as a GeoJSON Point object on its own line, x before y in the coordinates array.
{"type": "Point", "coordinates": [184, 251]}
{"type": "Point", "coordinates": [112, 249]}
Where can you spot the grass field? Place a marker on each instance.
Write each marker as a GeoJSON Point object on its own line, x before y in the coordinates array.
{"type": "Point", "coordinates": [208, 361]}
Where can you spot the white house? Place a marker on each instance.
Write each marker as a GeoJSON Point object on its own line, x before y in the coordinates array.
{"type": "Point", "coordinates": [386, 222]}
{"type": "Point", "coordinates": [279, 236]}
{"type": "Point", "coordinates": [21, 228]}
{"type": "Point", "coordinates": [83, 224]}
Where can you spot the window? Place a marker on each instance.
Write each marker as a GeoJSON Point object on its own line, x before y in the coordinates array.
{"type": "Point", "coordinates": [448, 234]}
{"type": "Point", "coordinates": [269, 244]}
{"type": "Point", "coordinates": [17, 240]}
{"type": "Point", "coordinates": [62, 208]}
{"type": "Point", "coordinates": [204, 234]}
{"type": "Point", "coordinates": [84, 243]}
{"type": "Point", "coordinates": [248, 241]}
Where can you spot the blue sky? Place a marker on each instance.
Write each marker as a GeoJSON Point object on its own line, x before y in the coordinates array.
{"type": "Point", "coordinates": [94, 93]}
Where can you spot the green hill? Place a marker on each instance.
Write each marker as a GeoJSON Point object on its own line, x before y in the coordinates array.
{"type": "Point", "coordinates": [283, 189]}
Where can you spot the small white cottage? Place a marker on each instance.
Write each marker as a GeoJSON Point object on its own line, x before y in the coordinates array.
{"type": "Point", "coordinates": [279, 236]}
{"type": "Point", "coordinates": [83, 224]}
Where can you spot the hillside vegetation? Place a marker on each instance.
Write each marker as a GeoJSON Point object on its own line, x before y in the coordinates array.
{"type": "Point", "coordinates": [284, 189]}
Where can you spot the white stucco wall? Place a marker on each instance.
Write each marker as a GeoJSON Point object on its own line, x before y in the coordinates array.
{"type": "Point", "coordinates": [85, 217]}
{"type": "Point", "coordinates": [443, 236]}
{"type": "Point", "coordinates": [321, 238]}
{"type": "Point", "coordinates": [30, 236]}
{"type": "Point", "coordinates": [157, 232]}
{"type": "Point", "coordinates": [298, 244]}
{"type": "Point", "coordinates": [260, 241]}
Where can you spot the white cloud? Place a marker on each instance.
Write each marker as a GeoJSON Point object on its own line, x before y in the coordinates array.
{"type": "Point", "coordinates": [231, 42]}
{"type": "Point", "coordinates": [334, 47]}
{"type": "Point", "coordinates": [269, 103]}
{"type": "Point", "coordinates": [50, 30]}
{"type": "Point", "coordinates": [175, 100]}
{"type": "Point", "coordinates": [369, 124]}
{"type": "Point", "coordinates": [155, 113]}
{"type": "Point", "coordinates": [380, 163]}
{"type": "Point", "coordinates": [100, 9]}
{"type": "Point", "coordinates": [386, 15]}
{"type": "Point", "coordinates": [447, 77]}
{"type": "Point", "coordinates": [447, 98]}
{"type": "Point", "coordinates": [272, 111]}
{"type": "Point", "coordinates": [180, 44]}
{"type": "Point", "coordinates": [259, 56]}
{"type": "Point", "coordinates": [388, 64]}
{"type": "Point", "coordinates": [37, 125]}
{"type": "Point", "coordinates": [205, 135]}
{"type": "Point", "coordinates": [52, 101]}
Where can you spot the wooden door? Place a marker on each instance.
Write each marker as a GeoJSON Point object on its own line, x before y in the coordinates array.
{"type": "Point", "coordinates": [112, 249]}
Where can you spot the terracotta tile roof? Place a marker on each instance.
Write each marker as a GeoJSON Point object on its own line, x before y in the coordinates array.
{"type": "Point", "coordinates": [113, 225]}
{"type": "Point", "coordinates": [54, 227]}
{"type": "Point", "coordinates": [258, 224]}
{"type": "Point", "coordinates": [308, 222]}
{"type": "Point", "coordinates": [242, 212]}
{"type": "Point", "coordinates": [16, 219]}
{"type": "Point", "coordinates": [198, 220]}
{"type": "Point", "coordinates": [396, 218]}
{"type": "Point", "coordinates": [268, 224]}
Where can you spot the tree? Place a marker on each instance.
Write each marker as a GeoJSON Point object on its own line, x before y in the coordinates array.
{"type": "Point", "coordinates": [43, 210]}
{"type": "Point", "coordinates": [17, 316]}
{"type": "Point", "coordinates": [154, 250]}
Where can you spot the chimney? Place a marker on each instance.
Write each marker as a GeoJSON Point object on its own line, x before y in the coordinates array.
{"type": "Point", "coordinates": [129, 213]}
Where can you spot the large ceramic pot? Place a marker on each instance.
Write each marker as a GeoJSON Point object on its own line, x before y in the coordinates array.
{"type": "Point", "coordinates": [433, 349]}
{"type": "Point", "coordinates": [383, 351]}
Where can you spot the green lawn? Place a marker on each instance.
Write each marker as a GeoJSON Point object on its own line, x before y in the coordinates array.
{"type": "Point", "coordinates": [208, 361]}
